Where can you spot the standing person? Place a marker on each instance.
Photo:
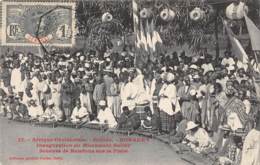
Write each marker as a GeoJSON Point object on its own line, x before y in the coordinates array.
{"type": "Point", "coordinates": [16, 77]}
{"type": "Point", "coordinates": [99, 92]}
{"type": "Point", "coordinates": [108, 81]}
{"type": "Point", "coordinates": [167, 104]}
{"type": "Point", "coordinates": [235, 111]}
{"type": "Point", "coordinates": [66, 97]}
{"type": "Point", "coordinates": [86, 97]}
{"type": "Point", "coordinates": [115, 92]}
{"type": "Point", "coordinates": [128, 92]}
{"type": "Point", "coordinates": [55, 88]}
{"type": "Point", "coordinates": [5, 76]}
{"type": "Point", "coordinates": [251, 147]}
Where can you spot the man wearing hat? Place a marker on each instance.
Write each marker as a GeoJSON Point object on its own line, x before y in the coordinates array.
{"type": "Point", "coordinates": [105, 115]}
{"type": "Point", "coordinates": [197, 138]}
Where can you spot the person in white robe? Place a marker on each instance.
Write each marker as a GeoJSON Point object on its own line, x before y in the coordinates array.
{"type": "Point", "coordinates": [79, 114]}
{"type": "Point", "coordinates": [16, 78]}
{"type": "Point", "coordinates": [128, 93]}
{"type": "Point", "coordinates": [51, 113]}
{"type": "Point", "coordinates": [105, 115]}
{"type": "Point", "coordinates": [251, 147]}
{"type": "Point", "coordinates": [35, 111]}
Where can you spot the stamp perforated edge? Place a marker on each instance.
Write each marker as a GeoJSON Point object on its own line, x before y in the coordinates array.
{"type": "Point", "coordinates": [4, 16]}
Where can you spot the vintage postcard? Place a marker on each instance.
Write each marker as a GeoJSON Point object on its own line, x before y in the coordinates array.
{"type": "Point", "coordinates": [130, 82]}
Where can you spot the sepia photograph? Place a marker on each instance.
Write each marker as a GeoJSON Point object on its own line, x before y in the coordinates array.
{"type": "Point", "coordinates": [129, 82]}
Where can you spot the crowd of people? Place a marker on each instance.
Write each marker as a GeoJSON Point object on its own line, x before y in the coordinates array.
{"type": "Point", "coordinates": [209, 105]}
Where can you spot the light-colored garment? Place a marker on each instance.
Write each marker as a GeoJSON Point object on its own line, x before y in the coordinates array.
{"type": "Point", "coordinates": [106, 116]}
{"type": "Point", "coordinates": [207, 67]}
{"type": "Point", "coordinates": [248, 106]}
{"type": "Point", "coordinates": [201, 136]}
{"type": "Point", "coordinates": [80, 112]}
{"type": "Point", "coordinates": [16, 79]}
{"type": "Point", "coordinates": [35, 111]}
{"type": "Point", "coordinates": [251, 149]}
{"type": "Point", "coordinates": [240, 64]}
{"type": "Point", "coordinates": [228, 61]}
{"type": "Point", "coordinates": [56, 94]}
{"type": "Point", "coordinates": [168, 96]}
{"type": "Point", "coordinates": [128, 93]}
{"type": "Point", "coordinates": [52, 114]}
{"type": "Point", "coordinates": [233, 121]}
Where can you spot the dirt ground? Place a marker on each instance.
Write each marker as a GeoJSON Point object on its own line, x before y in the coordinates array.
{"type": "Point", "coordinates": [18, 147]}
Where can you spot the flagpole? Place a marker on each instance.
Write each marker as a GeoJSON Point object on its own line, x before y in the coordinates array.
{"type": "Point", "coordinates": [135, 23]}
{"type": "Point", "coordinates": [256, 79]}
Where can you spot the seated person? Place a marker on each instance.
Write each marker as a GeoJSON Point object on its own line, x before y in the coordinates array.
{"type": "Point", "coordinates": [197, 138]}
{"type": "Point", "coordinates": [151, 121]}
{"type": "Point", "coordinates": [105, 115]}
{"type": "Point", "coordinates": [34, 111]}
{"type": "Point", "coordinates": [233, 151]}
{"type": "Point", "coordinates": [2, 104]}
{"type": "Point", "coordinates": [12, 112]}
{"type": "Point", "coordinates": [51, 114]}
{"type": "Point", "coordinates": [129, 120]}
{"type": "Point", "coordinates": [79, 114]}
{"type": "Point", "coordinates": [21, 108]}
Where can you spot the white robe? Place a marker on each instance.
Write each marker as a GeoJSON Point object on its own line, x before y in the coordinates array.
{"type": "Point", "coordinates": [81, 112]}
{"type": "Point", "coordinates": [165, 103]}
{"type": "Point", "coordinates": [251, 148]}
{"type": "Point", "coordinates": [128, 93]}
{"type": "Point", "coordinates": [35, 111]}
{"type": "Point", "coordinates": [16, 79]}
{"type": "Point", "coordinates": [107, 116]}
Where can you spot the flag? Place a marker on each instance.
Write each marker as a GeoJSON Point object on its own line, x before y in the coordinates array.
{"type": "Point", "coordinates": [148, 36]}
{"type": "Point", "coordinates": [142, 53]}
{"type": "Point", "coordinates": [254, 33]}
{"type": "Point", "coordinates": [155, 37]}
{"type": "Point", "coordinates": [237, 48]}
{"type": "Point", "coordinates": [143, 37]}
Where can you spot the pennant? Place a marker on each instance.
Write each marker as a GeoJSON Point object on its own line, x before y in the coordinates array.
{"type": "Point", "coordinates": [254, 33]}
{"type": "Point", "coordinates": [148, 36]}
{"type": "Point", "coordinates": [143, 38]}
{"type": "Point", "coordinates": [155, 37]}
{"type": "Point", "coordinates": [237, 48]}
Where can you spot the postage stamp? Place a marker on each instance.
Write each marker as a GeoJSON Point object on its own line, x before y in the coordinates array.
{"type": "Point", "coordinates": [34, 23]}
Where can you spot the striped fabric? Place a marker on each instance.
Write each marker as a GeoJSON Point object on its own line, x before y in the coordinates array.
{"type": "Point", "coordinates": [167, 122]}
